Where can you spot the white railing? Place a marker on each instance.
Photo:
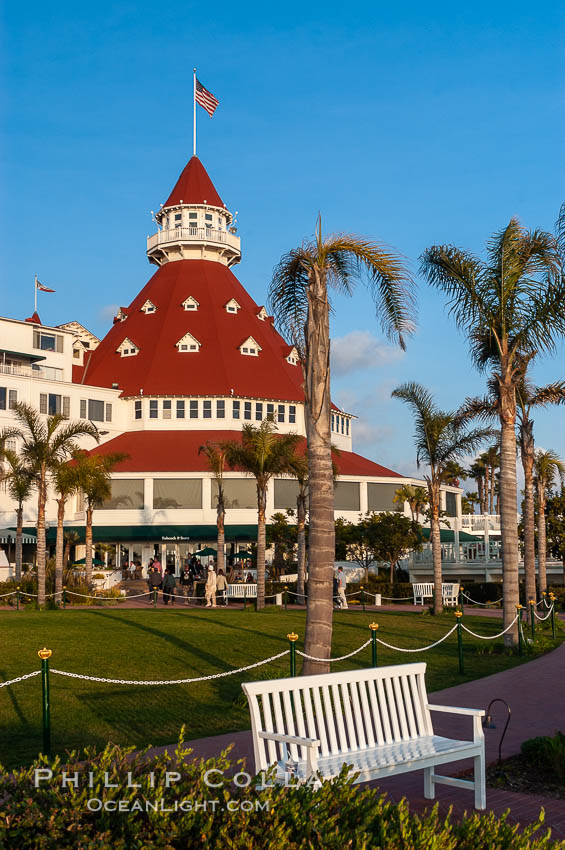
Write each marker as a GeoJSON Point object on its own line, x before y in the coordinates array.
{"type": "Point", "coordinates": [478, 522]}
{"type": "Point", "coordinates": [48, 373]}
{"type": "Point", "coordinates": [192, 234]}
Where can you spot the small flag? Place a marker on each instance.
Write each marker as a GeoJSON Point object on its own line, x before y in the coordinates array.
{"type": "Point", "coordinates": [205, 98]}
{"type": "Point", "coordinates": [43, 288]}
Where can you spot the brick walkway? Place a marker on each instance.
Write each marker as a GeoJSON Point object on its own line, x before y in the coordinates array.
{"type": "Point", "coordinates": [536, 694]}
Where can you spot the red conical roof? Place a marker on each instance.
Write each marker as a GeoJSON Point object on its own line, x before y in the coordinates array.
{"type": "Point", "coordinates": [159, 368]}
{"type": "Point", "coordinates": [194, 187]}
{"type": "Point", "coordinates": [34, 318]}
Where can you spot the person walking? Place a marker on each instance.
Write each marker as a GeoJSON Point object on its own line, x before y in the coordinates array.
{"type": "Point", "coordinates": [341, 582]}
{"type": "Point", "coordinates": [157, 566]}
{"type": "Point", "coordinates": [210, 589]}
{"type": "Point", "coordinates": [169, 584]}
{"type": "Point", "coordinates": [155, 581]}
{"type": "Point", "coordinates": [335, 592]}
{"type": "Point", "coordinates": [185, 583]}
{"type": "Point", "coordinates": [222, 586]}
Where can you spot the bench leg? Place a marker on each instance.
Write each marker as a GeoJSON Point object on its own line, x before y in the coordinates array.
{"type": "Point", "coordinates": [480, 782]}
{"type": "Point", "coordinates": [429, 788]}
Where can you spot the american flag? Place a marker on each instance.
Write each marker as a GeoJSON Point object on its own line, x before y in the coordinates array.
{"type": "Point", "coordinates": [43, 288]}
{"type": "Point", "coordinates": [206, 99]}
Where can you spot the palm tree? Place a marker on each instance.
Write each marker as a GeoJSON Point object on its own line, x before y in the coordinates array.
{"type": "Point", "coordinates": [47, 442]}
{"type": "Point", "coordinates": [509, 306]}
{"type": "Point", "coordinates": [216, 458]}
{"type": "Point", "coordinates": [478, 472]}
{"type": "Point", "coordinates": [416, 497]}
{"type": "Point", "coordinates": [548, 464]}
{"type": "Point", "coordinates": [439, 440]}
{"type": "Point", "coordinates": [94, 479]}
{"type": "Point", "coordinates": [468, 502]}
{"type": "Point", "coordinates": [261, 453]}
{"type": "Point", "coordinates": [299, 468]}
{"type": "Point", "coordinates": [20, 482]}
{"type": "Point", "coordinates": [300, 303]}
{"type": "Point", "coordinates": [66, 484]}
{"type": "Point", "coordinates": [492, 462]}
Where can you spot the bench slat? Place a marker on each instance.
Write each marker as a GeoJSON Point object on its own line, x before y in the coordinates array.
{"type": "Point", "coordinates": [343, 743]}
{"type": "Point", "coordinates": [391, 704]}
{"type": "Point", "coordinates": [349, 725]}
{"type": "Point", "coordinates": [417, 702]}
{"type": "Point", "coordinates": [298, 707]}
{"type": "Point", "coordinates": [400, 708]}
{"type": "Point", "coordinates": [412, 728]}
{"type": "Point", "coordinates": [359, 726]}
{"type": "Point", "coordinates": [371, 687]}
{"type": "Point", "coordinates": [289, 715]}
{"type": "Point", "coordinates": [271, 747]}
{"type": "Point", "coordinates": [310, 723]}
{"type": "Point", "coordinates": [321, 718]}
{"type": "Point", "coordinates": [367, 716]}
{"type": "Point", "coordinates": [329, 711]}
{"type": "Point", "coordinates": [384, 711]}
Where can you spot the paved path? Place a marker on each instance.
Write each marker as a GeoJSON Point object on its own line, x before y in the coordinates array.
{"type": "Point", "coordinates": [536, 694]}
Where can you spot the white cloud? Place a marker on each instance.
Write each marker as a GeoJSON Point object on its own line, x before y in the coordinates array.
{"type": "Point", "coordinates": [107, 313]}
{"type": "Point", "coordinates": [360, 350]}
{"type": "Point", "coordinates": [366, 434]}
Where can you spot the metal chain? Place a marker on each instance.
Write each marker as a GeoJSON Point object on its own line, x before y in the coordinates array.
{"type": "Point", "coordinates": [422, 648]}
{"type": "Point", "coordinates": [20, 679]}
{"type": "Point", "coordinates": [331, 660]}
{"type": "Point", "coordinates": [490, 637]}
{"type": "Point", "coordinates": [170, 681]}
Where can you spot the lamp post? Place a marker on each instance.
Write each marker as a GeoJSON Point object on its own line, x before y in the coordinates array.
{"type": "Point", "coordinates": [488, 723]}
{"type": "Point", "coordinates": [45, 655]}
{"type": "Point", "coordinates": [374, 659]}
{"type": "Point", "coordinates": [292, 638]}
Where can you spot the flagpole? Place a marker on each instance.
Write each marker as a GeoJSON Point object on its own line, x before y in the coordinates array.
{"type": "Point", "coordinates": [194, 114]}
{"type": "Point", "coordinates": [35, 294]}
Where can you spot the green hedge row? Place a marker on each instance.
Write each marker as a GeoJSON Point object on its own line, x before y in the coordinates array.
{"type": "Point", "coordinates": [339, 816]}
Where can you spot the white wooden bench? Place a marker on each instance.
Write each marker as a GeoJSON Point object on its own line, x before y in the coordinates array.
{"type": "Point", "coordinates": [425, 590]}
{"type": "Point", "coordinates": [241, 591]}
{"type": "Point", "coordinates": [377, 721]}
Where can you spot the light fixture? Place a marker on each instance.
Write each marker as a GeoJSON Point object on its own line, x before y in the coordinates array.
{"type": "Point", "coordinates": [488, 722]}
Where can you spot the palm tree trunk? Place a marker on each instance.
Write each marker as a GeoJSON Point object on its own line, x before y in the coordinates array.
{"type": "Point", "coordinates": [88, 543]}
{"type": "Point", "coordinates": [301, 553]}
{"type": "Point", "coordinates": [41, 546]}
{"type": "Point", "coordinates": [481, 489]}
{"type": "Point", "coordinates": [321, 546]}
{"type": "Point", "coordinates": [527, 452]}
{"type": "Point", "coordinates": [221, 560]}
{"type": "Point", "coordinates": [59, 548]}
{"type": "Point", "coordinates": [491, 499]}
{"type": "Point", "coordinates": [508, 505]}
{"type": "Point", "coordinates": [261, 544]}
{"type": "Point", "coordinates": [542, 541]}
{"type": "Point", "coordinates": [66, 553]}
{"type": "Point", "coordinates": [19, 538]}
{"type": "Point", "coordinates": [435, 535]}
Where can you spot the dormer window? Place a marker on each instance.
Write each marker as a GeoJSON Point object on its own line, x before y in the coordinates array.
{"type": "Point", "coordinates": [250, 347]}
{"type": "Point", "coordinates": [190, 303]}
{"type": "Point", "coordinates": [148, 307]}
{"type": "Point", "coordinates": [292, 357]}
{"type": "Point", "coordinates": [262, 314]}
{"type": "Point", "coordinates": [120, 315]}
{"type": "Point", "coordinates": [188, 344]}
{"type": "Point", "coordinates": [232, 306]}
{"type": "Point", "coordinates": [127, 348]}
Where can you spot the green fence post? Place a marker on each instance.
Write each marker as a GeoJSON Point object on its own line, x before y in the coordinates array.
{"type": "Point", "coordinates": [459, 614]}
{"type": "Point", "coordinates": [460, 600]}
{"type": "Point", "coordinates": [520, 645]}
{"type": "Point", "coordinates": [532, 620]}
{"type": "Point", "coordinates": [18, 598]}
{"type": "Point", "coordinates": [154, 597]}
{"type": "Point", "coordinates": [64, 597]}
{"type": "Point", "coordinates": [362, 597]}
{"type": "Point", "coordinates": [374, 659]}
{"type": "Point", "coordinates": [285, 597]}
{"type": "Point", "coordinates": [552, 600]}
{"type": "Point", "coordinates": [45, 655]}
{"type": "Point", "coordinates": [292, 638]}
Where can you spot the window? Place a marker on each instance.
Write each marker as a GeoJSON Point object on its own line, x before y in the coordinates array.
{"type": "Point", "coordinates": [271, 412]}
{"type": "Point", "coordinates": [177, 493]}
{"type": "Point", "coordinates": [193, 216]}
{"type": "Point", "coordinates": [178, 216]}
{"type": "Point", "coordinates": [12, 398]}
{"type": "Point", "coordinates": [127, 494]}
{"type": "Point", "coordinates": [239, 493]}
{"type": "Point", "coordinates": [247, 410]}
{"type": "Point", "coordinates": [3, 394]}
{"type": "Point", "coordinates": [259, 411]}
{"type": "Point", "coordinates": [95, 410]}
{"type": "Point", "coordinates": [342, 424]}
{"type": "Point", "coordinates": [286, 491]}
{"type": "Point", "coordinates": [207, 409]}
{"type": "Point", "coordinates": [47, 342]}
{"type": "Point", "coordinates": [194, 409]}
{"type": "Point", "coordinates": [190, 303]}
{"type": "Point", "coordinates": [137, 413]}
{"type": "Point", "coordinates": [209, 219]}
{"type": "Point", "coordinates": [292, 413]}
{"type": "Point", "coordinates": [180, 409]}
{"type": "Point", "coordinates": [281, 412]}
{"type": "Point", "coordinates": [346, 496]}
{"type": "Point", "coordinates": [451, 504]}
{"type": "Point", "coordinates": [76, 353]}
{"type": "Point", "coordinates": [188, 343]}
{"type": "Point", "coordinates": [148, 307]}
{"type": "Point", "coordinates": [235, 409]}
{"type": "Point", "coordinates": [380, 497]}
{"type": "Point", "coordinates": [53, 404]}
{"type": "Point", "coordinates": [347, 427]}
{"type": "Point", "coordinates": [333, 422]}
{"type": "Point", "coordinates": [167, 409]}
{"type": "Point", "coordinates": [153, 408]}
{"type": "Point", "coordinates": [232, 306]}
{"type": "Point", "coordinates": [82, 407]}
{"type": "Point", "coordinates": [219, 223]}
{"type": "Point", "coordinates": [108, 412]}
{"type": "Point", "coordinates": [221, 409]}
{"type": "Point", "coordinates": [127, 348]}
{"type": "Point", "coordinates": [250, 347]}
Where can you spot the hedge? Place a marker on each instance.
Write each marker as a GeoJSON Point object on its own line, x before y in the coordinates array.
{"type": "Point", "coordinates": [339, 816]}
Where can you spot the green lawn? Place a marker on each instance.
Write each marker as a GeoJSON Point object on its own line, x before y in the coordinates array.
{"type": "Point", "coordinates": [156, 644]}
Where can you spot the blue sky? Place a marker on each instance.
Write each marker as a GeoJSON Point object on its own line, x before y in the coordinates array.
{"type": "Point", "coordinates": [410, 123]}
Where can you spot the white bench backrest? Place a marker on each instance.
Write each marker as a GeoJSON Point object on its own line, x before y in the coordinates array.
{"type": "Point", "coordinates": [241, 590]}
{"type": "Point", "coordinates": [423, 589]}
{"type": "Point", "coordinates": [349, 711]}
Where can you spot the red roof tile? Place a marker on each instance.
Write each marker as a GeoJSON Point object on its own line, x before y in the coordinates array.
{"type": "Point", "coordinates": [218, 367]}
{"type": "Point", "coordinates": [194, 187]}
{"type": "Point", "coordinates": [177, 451]}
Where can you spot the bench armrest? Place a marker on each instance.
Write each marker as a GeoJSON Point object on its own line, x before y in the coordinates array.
{"type": "Point", "coordinates": [475, 713]}
{"type": "Point", "coordinates": [453, 709]}
{"type": "Point", "coordinates": [311, 744]}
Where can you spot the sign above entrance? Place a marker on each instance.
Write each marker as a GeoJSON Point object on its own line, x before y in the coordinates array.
{"type": "Point", "coordinates": [175, 539]}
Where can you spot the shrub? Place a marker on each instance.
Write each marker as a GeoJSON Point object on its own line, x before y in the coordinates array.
{"type": "Point", "coordinates": [548, 754]}
{"type": "Point", "coordinates": [54, 818]}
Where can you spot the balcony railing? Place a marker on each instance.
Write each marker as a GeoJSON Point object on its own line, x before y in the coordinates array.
{"type": "Point", "coordinates": [48, 373]}
{"type": "Point", "coordinates": [478, 522]}
{"type": "Point", "coordinates": [193, 234]}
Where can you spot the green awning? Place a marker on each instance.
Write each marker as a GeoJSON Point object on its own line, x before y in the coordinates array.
{"type": "Point", "coordinates": [156, 533]}
{"type": "Point", "coordinates": [447, 535]}
{"type": "Point", "coordinates": [33, 357]}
